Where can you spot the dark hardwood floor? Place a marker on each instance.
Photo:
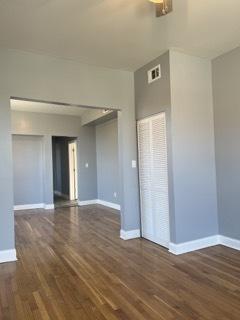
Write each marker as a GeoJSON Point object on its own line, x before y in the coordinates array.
{"type": "Point", "coordinates": [73, 265]}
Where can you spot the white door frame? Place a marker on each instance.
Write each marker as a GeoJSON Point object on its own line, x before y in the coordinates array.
{"type": "Point", "coordinates": [73, 170]}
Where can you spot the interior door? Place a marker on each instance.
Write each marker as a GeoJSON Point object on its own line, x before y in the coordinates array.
{"type": "Point", "coordinates": [153, 177]}
{"type": "Point", "coordinates": [73, 176]}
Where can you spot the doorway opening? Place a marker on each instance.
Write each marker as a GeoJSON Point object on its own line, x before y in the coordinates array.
{"type": "Point", "coordinates": [65, 175]}
{"type": "Point", "coordinates": [64, 156]}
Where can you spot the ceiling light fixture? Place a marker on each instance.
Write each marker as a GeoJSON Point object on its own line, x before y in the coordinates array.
{"type": "Point", "coordinates": [105, 111]}
{"type": "Point", "coordinates": [163, 7]}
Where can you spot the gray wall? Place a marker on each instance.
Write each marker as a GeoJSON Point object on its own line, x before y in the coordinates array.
{"type": "Point", "coordinates": [226, 93]}
{"type": "Point", "coordinates": [28, 169]}
{"type": "Point", "coordinates": [7, 240]}
{"type": "Point", "coordinates": [193, 154]}
{"type": "Point", "coordinates": [107, 161]}
{"type": "Point", "coordinates": [32, 123]}
{"type": "Point", "coordinates": [155, 97]}
{"type": "Point", "coordinates": [91, 178]}
{"type": "Point", "coordinates": [46, 125]}
{"type": "Point", "coordinates": [87, 179]}
{"type": "Point", "coordinates": [27, 123]}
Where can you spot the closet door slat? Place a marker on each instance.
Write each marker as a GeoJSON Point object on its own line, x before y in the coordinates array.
{"type": "Point", "coordinates": [144, 147]}
{"type": "Point", "coordinates": [153, 176]}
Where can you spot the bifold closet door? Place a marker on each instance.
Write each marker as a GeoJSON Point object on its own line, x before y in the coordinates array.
{"type": "Point", "coordinates": [153, 176]}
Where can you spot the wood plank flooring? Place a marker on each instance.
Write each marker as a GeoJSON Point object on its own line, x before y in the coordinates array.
{"type": "Point", "coordinates": [73, 265]}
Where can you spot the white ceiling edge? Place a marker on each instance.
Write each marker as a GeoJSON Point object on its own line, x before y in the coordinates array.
{"type": "Point", "coordinates": [47, 108]}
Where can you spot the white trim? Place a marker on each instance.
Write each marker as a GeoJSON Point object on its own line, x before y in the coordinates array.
{"type": "Point", "coordinates": [49, 206]}
{"type": "Point", "coordinates": [87, 202]}
{"type": "Point", "coordinates": [128, 235]}
{"type": "Point", "coordinates": [29, 206]}
{"type": "Point", "coordinates": [8, 256]}
{"type": "Point", "coordinates": [34, 206]}
{"type": "Point", "coordinates": [109, 204]}
{"type": "Point", "coordinates": [185, 247]}
{"type": "Point", "coordinates": [229, 242]}
{"type": "Point", "coordinates": [73, 170]}
{"type": "Point", "coordinates": [180, 248]}
{"type": "Point", "coordinates": [101, 202]}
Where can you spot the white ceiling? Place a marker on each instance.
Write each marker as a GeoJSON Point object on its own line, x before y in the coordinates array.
{"type": "Point", "coordinates": [29, 106]}
{"type": "Point", "coordinates": [121, 34]}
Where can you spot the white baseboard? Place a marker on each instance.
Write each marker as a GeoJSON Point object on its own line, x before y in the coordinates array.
{"type": "Point", "coordinates": [34, 206]}
{"type": "Point", "coordinates": [49, 206]}
{"type": "Point", "coordinates": [109, 204]}
{"type": "Point", "coordinates": [8, 256]}
{"type": "Point", "coordinates": [180, 248]}
{"type": "Point", "coordinates": [98, 201]}
{"type": "Point", "coordinates": [29, 206]}
{"type": "Point", "coordinates": [229, 242]}
{"type": "Point", "coordinates": [87, 202]}
{"type": "Point", "coordinates": [185, 247]}
{"type": "Point", "coordinates": [128, 235]}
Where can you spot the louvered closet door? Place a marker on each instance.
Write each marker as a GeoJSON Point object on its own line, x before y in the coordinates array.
{"type": "Point", "coordinates": [153, 176]}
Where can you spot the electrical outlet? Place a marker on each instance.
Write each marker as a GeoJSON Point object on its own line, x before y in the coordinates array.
{"type": "Point", "coordinates": [86, 165]}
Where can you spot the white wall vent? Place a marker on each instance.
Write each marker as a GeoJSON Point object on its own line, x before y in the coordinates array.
{"type": "Point", "coordinates": [154, 74]}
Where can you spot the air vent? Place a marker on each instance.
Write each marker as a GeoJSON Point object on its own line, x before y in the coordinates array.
{"type": "Point", "coordinates": [154, 74]}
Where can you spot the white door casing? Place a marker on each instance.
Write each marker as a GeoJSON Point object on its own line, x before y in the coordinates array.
{"type": "Point", "coordinates": [73, 175]}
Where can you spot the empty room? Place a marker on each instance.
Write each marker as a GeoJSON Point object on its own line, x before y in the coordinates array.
{"type": "Point", "coordinates": [120, 164]}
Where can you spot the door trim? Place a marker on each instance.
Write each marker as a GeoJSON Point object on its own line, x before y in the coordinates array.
{"type": "Point", "coordinates": [73, 170]}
